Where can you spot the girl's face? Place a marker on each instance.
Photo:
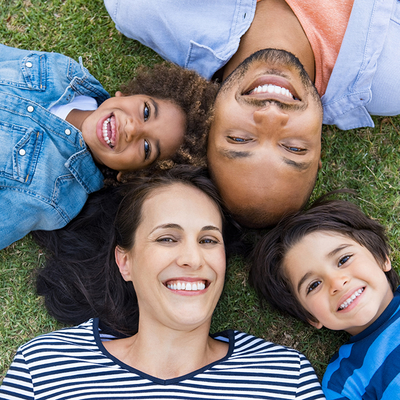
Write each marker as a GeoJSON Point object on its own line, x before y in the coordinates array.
{"type": "Point", "coordinates": [338, 281]}
{"type": "Point", "coordinates": [128, 133]}
{"type": "Point", "coordinates": [177, 263]}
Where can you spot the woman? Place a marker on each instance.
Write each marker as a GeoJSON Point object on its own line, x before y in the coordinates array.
{"type": "Point", "coordinates": [59, 129]}
{"type": "Point", "coordinates": [168, 252]}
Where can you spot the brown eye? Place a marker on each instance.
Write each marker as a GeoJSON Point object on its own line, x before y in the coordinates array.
{"type": "Point", "coordinates": [147, 150]}
{"type": "Point", "coordinates": [313, 286]}
{"type": "Point", "coordinates": [343, 260]}
{"type": "Point", "coordinates": [238, 139]}
{"type": "Point", "coordinates": [146, 112]}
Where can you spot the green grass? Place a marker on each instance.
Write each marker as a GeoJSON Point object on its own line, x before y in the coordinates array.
{"type": "Point", "coordinates": [367, 160]}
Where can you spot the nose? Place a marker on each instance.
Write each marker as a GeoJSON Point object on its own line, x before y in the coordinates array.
{"type": "Point", "coordinates": [337, 283]}
{"type": "Point", "coordinates": [270, 118]}
{"type": "Point", "coordinates": [132, 129]}
{"type": "Point", "coordinates": [190, 256]}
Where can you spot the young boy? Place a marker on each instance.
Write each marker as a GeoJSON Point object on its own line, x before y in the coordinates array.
{"type": "Point", "coordinates": [58, 125]}
{"type": "Point", "coordinates": [329, 266]}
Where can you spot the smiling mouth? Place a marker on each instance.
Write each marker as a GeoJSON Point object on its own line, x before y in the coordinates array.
{"type": "Point", "coordinates": [272, 89]}
{"type": "Point", "coordinates": [347, 302]}
{"type": "Point", "coordinates": [108, 131]}
{"type": "Point", "coordinates": [188, 286]}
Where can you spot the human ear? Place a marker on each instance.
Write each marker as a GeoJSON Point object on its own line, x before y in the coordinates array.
{"type": "Point", "coordinates": [319, 164]}
{"type": "Point", "coordinates": [387, 266]}
{"type": "Point", "coordinates": [118, 94]}
{"type": "Point", "coordinates": [317, 324]}
{"type": "Point", "coordinates": [121, 258]}
{"type": "Point", "coordinates": [119, 176]}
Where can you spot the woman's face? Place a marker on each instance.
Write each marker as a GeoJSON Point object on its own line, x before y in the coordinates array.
{"type": "Point", "coordinates": [177, 263]}
{"type": "Point", "coordinates": [128, 133]}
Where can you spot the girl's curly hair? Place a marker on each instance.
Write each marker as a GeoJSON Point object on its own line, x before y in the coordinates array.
{"type": "Point", "coordinates": [189, 91]}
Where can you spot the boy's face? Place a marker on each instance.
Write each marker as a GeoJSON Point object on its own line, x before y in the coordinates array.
{"type": "Point", "coordinates": [338, 281]}
{"type": "Point", "coordinates": [128, 133]}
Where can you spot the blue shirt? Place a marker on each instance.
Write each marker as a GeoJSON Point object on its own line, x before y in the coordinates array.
{"type": "Point", "coordinates": [46, 170]}
{"type": "Point", "coordinates": [368, 365]}
{"type": "Point", "coordinates": [204, 35]}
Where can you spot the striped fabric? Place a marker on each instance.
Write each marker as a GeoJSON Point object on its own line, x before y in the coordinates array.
{"type": "Point", "coordinates": [368, 365]}
{"type": "Point", "coordinates": [73, 364]}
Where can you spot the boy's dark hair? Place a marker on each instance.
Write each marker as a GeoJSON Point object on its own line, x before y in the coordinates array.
{"type": "Point", "coordinates": [267, 274]}
{"type": "Point", "coordinates": [81, 279]}
{"type": "Point", "coordinates": [188, 90]}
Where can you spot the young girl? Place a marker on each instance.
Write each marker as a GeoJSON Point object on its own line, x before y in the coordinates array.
{"type": "Point", "coordinates": [58, 126]}
{"type": "Point", "coordinates": [329, 266]}
{"type": "Point", "coordinates": [158, 280]}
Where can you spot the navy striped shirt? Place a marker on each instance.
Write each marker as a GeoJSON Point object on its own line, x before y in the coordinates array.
{"type": "Point", "coordinates": [368, 365]}
{"type": "Point", "coordinates": [73, 364]}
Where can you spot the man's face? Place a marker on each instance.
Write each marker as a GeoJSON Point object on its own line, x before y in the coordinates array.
{"type": "Point", "coordinates": [265, 141]}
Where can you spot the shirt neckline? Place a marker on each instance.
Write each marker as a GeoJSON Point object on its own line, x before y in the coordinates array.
{"type": "Point", "coordinates": [228, 334]}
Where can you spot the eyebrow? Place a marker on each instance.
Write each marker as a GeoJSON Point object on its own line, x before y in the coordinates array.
{"type": "Point", "coordinates": [176, 226]}
{"type": "Point", "coordinates": [302, 280]}
{"type": "Point", "coordinates": [340, 248]}
{"type": "Point", "coordinates": [210, 228]}
{"type": "Point", "coordinates": [234, 154]}
{"type": "Point", "coordinates": [300, 166]}
{"type": "Point", "coordinates": [157, 151]}
{"type": "Point", "coordinates": [155, 105]}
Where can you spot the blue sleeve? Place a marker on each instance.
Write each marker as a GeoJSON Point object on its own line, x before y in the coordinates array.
{"type": "Point", "coordinates": [199, 35]}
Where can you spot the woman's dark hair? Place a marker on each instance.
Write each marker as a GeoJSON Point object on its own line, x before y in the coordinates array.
{"type": "Point", "coordinates": [81, 279]}
{"type": "Point", "coordinates": [267, 274]}
{"type": "Point", "coordinates": [189, 91]}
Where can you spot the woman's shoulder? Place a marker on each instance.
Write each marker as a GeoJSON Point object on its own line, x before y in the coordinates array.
{"type": "Point", "coordinates": [62, 339]}
{"type": "Point", "coordinates": [246, 344]}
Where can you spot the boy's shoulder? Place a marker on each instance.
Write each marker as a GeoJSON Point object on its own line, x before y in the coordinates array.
{"type": "Point", "coordinates": [369, 360]}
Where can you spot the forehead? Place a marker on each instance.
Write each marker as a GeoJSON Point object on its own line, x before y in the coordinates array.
{"type": "Point", "coordinates": [317, 246]}
{"type": "Point", "coordinates": [326, 238]}
{"type": "Point", "coordinates": [179, 203]}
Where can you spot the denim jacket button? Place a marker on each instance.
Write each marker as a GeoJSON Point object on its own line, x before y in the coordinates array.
{"type": "Point", "coordinates": [29, 64]}
{"type": "Point", "coordinates": [22, 152]}
{"type": "Point", "coordinates": [67, 131]}
{"type": "Point", "coordinates": [30, 108]}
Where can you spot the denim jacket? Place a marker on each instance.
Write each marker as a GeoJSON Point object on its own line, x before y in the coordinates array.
{"type": "Point", "coordinates": [46, 170]}
{"type": "Point", "coordinates": [204, 35]}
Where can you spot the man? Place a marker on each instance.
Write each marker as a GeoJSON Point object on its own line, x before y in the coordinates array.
{"type": "Point", "coordinates": [264, 144]}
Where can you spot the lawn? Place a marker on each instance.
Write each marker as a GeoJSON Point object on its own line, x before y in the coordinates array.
{"type": "Point", "coordinates": [366, 160]}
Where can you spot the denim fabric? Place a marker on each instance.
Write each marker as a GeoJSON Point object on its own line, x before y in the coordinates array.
{"type": "Point", "coordinates": [366, 76]}
{"type": "Point", "coordinates": [46, 170]}
{"type": "Point", "coordinates": [204, 35]}
{"type": "Point", "coordinates": [199, 35]}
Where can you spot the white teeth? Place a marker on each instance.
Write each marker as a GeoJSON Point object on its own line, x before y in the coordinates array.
{"type": "Point", "coordinates": [105, 132]}
{"type": "Point", "coordinates": [346, 303]}
{"type": "Point", "coordinates": [273, 89]}
{"type": "Point", "coordinates": [186, 286]}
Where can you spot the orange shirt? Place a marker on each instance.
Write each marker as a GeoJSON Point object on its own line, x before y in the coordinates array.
{"type": "Point", "coordinates": [324, 23]}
